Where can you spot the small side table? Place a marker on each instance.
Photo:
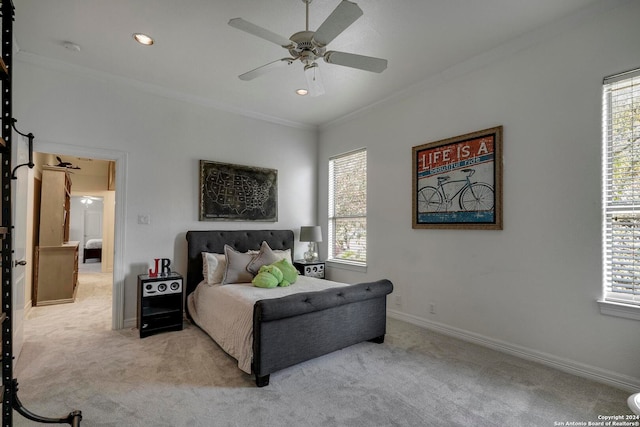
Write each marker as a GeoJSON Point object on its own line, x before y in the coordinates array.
{"type": "Point", "coordinates": [159, 303]}
{"type": "Point", "coordinates": [310, 268]}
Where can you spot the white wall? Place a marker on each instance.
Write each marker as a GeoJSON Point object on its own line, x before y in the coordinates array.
{"type": "Point", "coordinates": [532, 287]}
{"type": "Point", "coordinates": [163, 140]}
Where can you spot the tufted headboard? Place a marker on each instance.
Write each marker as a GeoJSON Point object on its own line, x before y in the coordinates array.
{"type": "Point", "coordinates": [240, 240]}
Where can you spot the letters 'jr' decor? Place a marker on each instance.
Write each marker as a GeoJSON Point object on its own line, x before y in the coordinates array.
{"type": "Point", "coordinates": [457, 182]}
{"type": "Point", "coordinates": [162, 267]}
{"type": "Point", "coordinates": [237, 193]}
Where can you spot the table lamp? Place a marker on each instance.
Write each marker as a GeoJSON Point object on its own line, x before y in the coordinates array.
{"type": "Point", "coordinates": [311, 234]}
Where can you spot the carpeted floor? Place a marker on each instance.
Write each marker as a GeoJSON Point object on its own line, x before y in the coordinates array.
{"type": "Point", "coordinates": [90, 266]}
{"type": "Point", "coordinates": [72, 360]}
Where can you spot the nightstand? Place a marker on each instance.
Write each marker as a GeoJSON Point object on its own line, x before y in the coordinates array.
{"type": "Point", "coordinates": [159, 303]}
{"type": "Point", "coordinates": [310, 268]}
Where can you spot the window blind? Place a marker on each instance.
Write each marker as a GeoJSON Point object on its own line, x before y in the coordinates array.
{"type": "Point", "coordinates": [621, 184]}
{"type": "Point", "coordinates": [347, 228]}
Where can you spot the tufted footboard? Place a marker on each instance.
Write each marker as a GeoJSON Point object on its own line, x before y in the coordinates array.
{"type": "Point", "coordinates": [300, 327]}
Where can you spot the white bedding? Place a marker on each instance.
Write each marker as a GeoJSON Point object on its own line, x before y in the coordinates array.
{"type": "Point", "coordinates": [225, 312]}
{"type": "Point", "coordinates": [93, 244]}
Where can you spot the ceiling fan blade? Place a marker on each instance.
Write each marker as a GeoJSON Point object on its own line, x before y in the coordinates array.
{"type": "Point", "coordinates": [263, 33]}
{"type": "Point", "coordinates": [264, 69]}
{"type": "Point", "coordinates": [361, 62]}
{"type": "Point", "coordinates": [342, 16]}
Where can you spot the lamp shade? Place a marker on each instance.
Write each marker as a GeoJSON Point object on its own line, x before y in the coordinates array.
{"type": "Point", "coordinates": [311, 233]}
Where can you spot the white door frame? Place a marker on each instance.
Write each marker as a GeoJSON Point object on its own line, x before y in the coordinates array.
{"type": "Point", "coordinates": [120, 157]}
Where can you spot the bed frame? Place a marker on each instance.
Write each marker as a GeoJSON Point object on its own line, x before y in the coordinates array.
{"type": "Point", "coordinates": [300, 327]}
{"type": "Point", "coordinates": [92, 253]}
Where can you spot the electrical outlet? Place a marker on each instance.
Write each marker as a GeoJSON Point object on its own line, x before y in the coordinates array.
{"type": "Point", "coordinates": [144, 219]}
{"type": "Point", "coordinates": [398, 300]}
{"type": "Point", "coordinates": [432, 308]}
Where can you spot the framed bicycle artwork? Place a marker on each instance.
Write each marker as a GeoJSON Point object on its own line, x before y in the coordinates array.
{"type": "Point", "coordinates": [457, 182]}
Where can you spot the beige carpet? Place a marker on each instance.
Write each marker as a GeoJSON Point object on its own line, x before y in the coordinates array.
{"type": "Point", "coordinates": [72, 360]}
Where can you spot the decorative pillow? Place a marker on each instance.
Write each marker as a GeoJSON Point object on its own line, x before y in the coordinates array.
{"type": "Point", "coordinates": [236, 270]}
{"type": "Point", "coordinates": [289, 272]}
{"type": "Point", "coordinates": [268, 277]}
{"type": "Point", "coordinates": [285, 254]}
{"type": "Point", "coordinates": [265, 256]}
{"type": "Point", "coordinates": [282, 254]}
{"type": "Point", "coordinates": [213, 266]}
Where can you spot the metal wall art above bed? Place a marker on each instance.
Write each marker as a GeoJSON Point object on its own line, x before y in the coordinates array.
{"type": "Point", "coordinates": [231, 192]}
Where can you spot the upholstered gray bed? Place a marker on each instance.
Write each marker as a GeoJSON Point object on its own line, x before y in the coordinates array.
{"type": "Point", "coordinates": [298, 327]}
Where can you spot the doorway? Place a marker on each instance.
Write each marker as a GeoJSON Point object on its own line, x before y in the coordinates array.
{"type": "Point", "coordinates": [119, 160]}
{"type": "Point", "coordinates": [88, 225]}
{"type": "Point", "coordinates": [86, 228]}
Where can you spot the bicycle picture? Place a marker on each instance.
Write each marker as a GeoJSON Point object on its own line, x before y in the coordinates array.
{"type": "Point", "coordinates": [471, 196]}
{"type": "Point", "coordinates": [457, 182]}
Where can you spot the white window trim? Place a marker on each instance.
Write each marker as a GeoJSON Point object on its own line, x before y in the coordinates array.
{"type": "Point", "coordinates": [609, 303]}
{"type": "Point", "coordinates": [617, 309]}
{"type": "Point", "coordinates": [346, 265]}
{"type": "Point", "coordinates": [340, 263]}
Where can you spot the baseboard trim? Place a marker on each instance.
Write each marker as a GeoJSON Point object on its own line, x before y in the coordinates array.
{"type": "Point", "coordinates": [130, 323]}
{"type": "Point", "coordinates": [623, 382]}
{"type": "Point", "coordinates": [27, 309]}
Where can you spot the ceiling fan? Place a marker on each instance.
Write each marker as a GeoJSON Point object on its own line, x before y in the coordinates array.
{"type": "Point", "coordinates": [67, 165]}
{"type": "Point", "coordinates": [309, 46]}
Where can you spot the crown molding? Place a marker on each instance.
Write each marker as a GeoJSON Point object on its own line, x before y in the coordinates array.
{"type": "Point", "coordinates": [518, 44]}
{"type": "Point", "coordinates": [512, 47]}
{"type": "Point", "coordinates": [66, 67]}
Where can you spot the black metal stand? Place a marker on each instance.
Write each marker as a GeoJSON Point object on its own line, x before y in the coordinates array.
{"type": "Point", "coordinates": [72, 419]}
{"type": "Point", "coordinates": [30, 137]}
{"type": "Point", "coordinates": [10, 400]}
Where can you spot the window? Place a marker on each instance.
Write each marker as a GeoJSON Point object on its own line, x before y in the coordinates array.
{"type": "Point", "coordinates": [621, 185]}
{"type": "Point", "coordinates": [348, 207]}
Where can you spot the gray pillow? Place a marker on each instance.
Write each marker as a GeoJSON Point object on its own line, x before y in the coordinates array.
{"type": "Point", "coordinates": [236, 270]}
{"type": "Point", "coordinates": [266, 256]}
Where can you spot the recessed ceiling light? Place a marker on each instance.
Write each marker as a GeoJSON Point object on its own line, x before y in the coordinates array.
{"type": "Point", "coordinates": [143, 39]}
{"type": "Point", "coordinates": [302, 92]}
{"type": "Point", "coordinates": [71, 46]}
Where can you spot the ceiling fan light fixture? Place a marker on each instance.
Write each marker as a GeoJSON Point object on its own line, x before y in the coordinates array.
{"type": "Point", "coordinates": [71, 46]}
{"type": "Point", "coordinates": [314, 82]}
{"type": "Point", "coordinates": [143, 39]}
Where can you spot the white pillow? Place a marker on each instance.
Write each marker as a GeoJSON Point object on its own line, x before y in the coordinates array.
{"type": "Point", "coordinates": [285, 254]}
{"type": "Point", "coordinates": [213, 267]}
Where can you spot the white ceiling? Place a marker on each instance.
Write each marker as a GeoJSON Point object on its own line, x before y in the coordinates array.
{"type": "Point", "coordinates": [198, 56]}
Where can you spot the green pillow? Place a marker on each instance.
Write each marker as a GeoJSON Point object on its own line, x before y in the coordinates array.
{"type": "Point", "coordinates": [269, 276]}
{"type": "Point", "coordinates": [265, 280]}
{"type": "Point", "coordinates": [289, 272]}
